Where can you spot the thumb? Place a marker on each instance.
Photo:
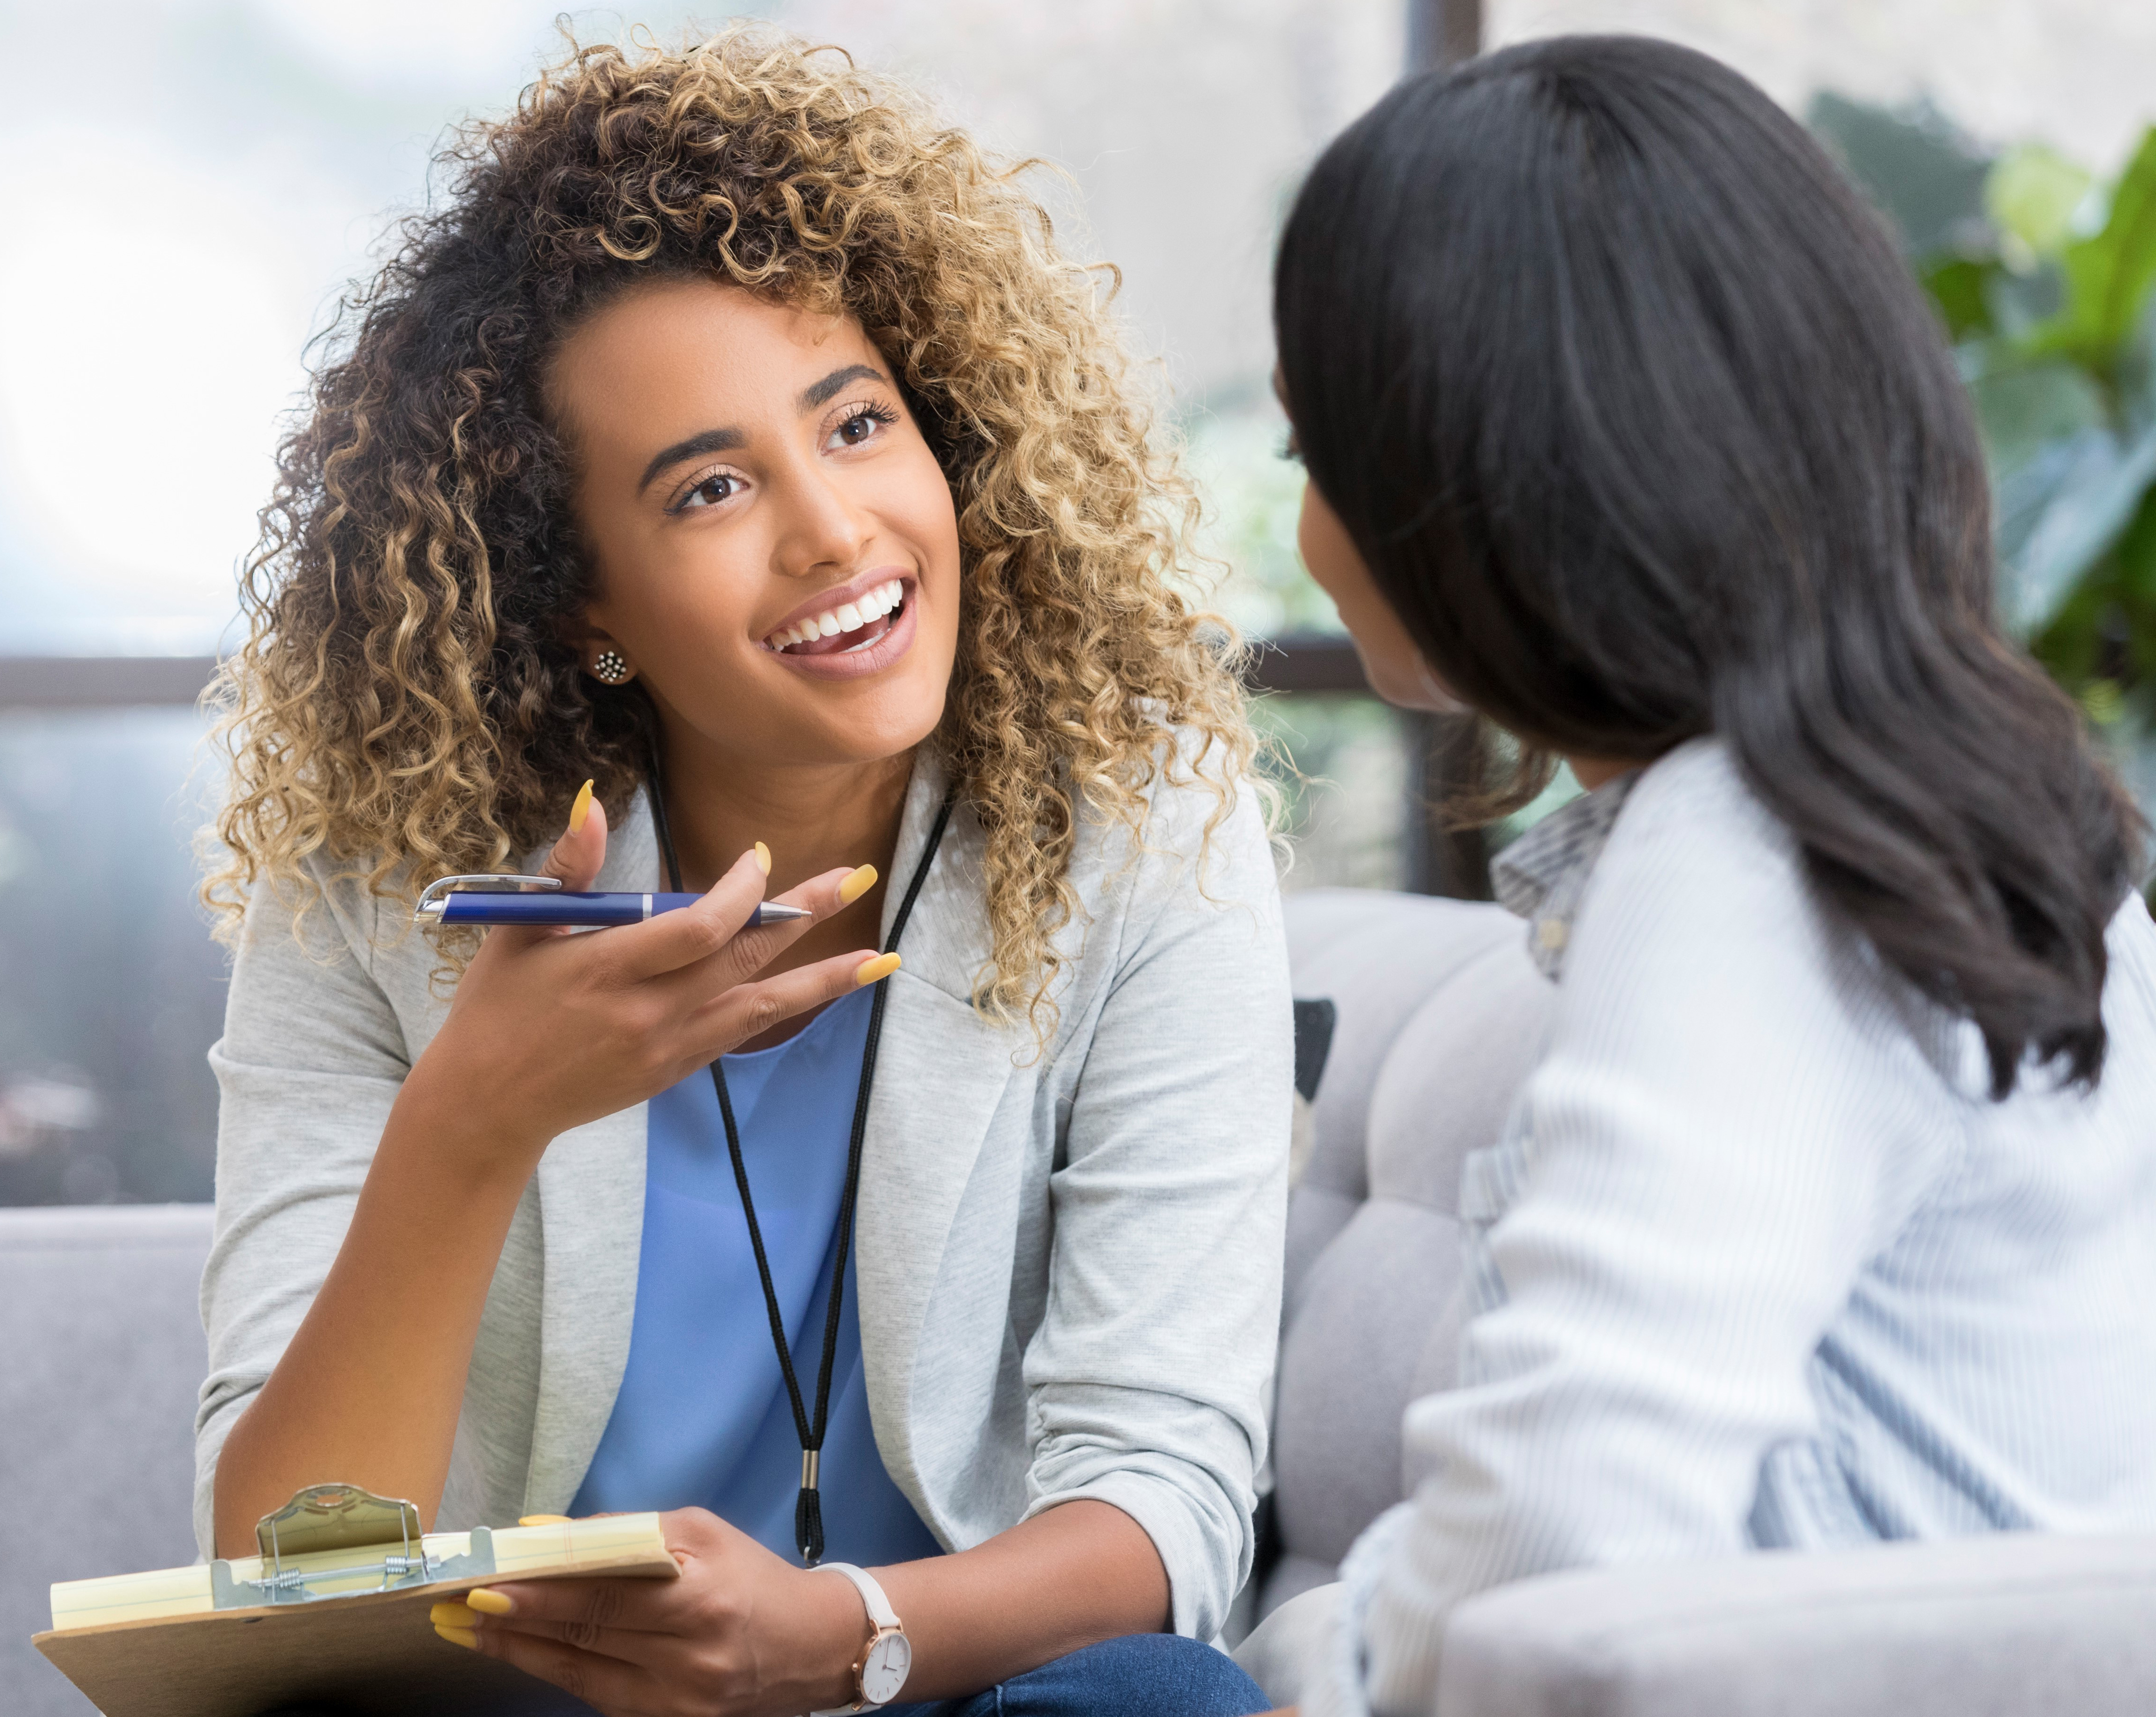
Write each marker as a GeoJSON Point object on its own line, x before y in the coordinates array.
{"type": "Point", "coordinates": [577, 856]}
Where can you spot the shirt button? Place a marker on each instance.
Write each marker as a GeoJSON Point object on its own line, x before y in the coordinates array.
{"type": "Point", "coordinates": [1551, 934]}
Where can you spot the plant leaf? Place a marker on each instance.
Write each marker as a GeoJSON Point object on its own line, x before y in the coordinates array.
{"type": "Point", "coordinates": [2033, 192]}
{"type": "Point", "coordinates": [2097, 489]}
{"type": "Point", "coordinates": [1922, 172]}
{"type": "Point", "coordinates": [2108, 275]}
{"type": "Point", "coordinates": [2023, 407]}
{"type": "Point", "coordinates": [1956, 287]}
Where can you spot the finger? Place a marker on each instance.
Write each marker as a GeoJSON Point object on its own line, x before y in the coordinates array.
{"type": "Point", "coordinates": [575, 859]}
{"type": "Point", "coordinates": [750, 949]}
{"type": "Point", "coordinates": [672, 940]}
{"type": "Point", "coordinates": [601, 1605]}
{"type": "Point", "coordinates": [577, 856]}
{"type": "Point", "coordinates": [748, 1010]}
{"type": "Point", "coordinates": [627, 1645]}
{"type": "Point", "coordinates": [605, 1682]}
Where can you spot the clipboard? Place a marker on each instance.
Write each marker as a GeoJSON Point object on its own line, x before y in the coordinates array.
{"type": "Point", "coordinates": [333, 1610]}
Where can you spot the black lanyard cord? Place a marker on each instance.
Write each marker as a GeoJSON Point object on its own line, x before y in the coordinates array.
{"type": "Point", "coordinates": [808, 1508]}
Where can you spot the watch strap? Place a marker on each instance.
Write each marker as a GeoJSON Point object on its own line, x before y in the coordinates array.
{"type": "Point", "coordinates": [872, 1593]}
{"type": "Point", "coordinates": [882, 1620]}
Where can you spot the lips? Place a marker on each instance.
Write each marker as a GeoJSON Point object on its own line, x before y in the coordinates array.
{"type": "Point", "coordinates": [872, 622]}
{"type": "Point", "coordinates": [854, 623]}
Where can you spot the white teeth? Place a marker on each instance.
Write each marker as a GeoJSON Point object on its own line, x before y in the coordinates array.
{"type": "Point", "coordinates": [847, 617]}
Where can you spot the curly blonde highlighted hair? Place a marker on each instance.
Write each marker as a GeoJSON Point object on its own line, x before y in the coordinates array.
{"type": "Point", "coordinates": [407, 704]}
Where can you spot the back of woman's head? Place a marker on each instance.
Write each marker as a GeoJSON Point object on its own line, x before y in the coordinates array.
{"type": "Point", "coordinates": [1643, 430]}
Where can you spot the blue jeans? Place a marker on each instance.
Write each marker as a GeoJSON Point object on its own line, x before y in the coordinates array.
{"type": "Point", "coordinates": [1139, 1675]}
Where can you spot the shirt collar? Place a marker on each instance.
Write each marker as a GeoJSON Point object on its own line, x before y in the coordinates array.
{"type": "Point", "coordinates": [1542, 876]}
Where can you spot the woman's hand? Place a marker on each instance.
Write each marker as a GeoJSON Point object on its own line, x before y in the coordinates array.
{"type": "Point", "coordinates": [744, 1633]}
{"type": "Point", "coordinates": [741, 1633]}
{"type": "Point", "coordinates": [551, 1028]}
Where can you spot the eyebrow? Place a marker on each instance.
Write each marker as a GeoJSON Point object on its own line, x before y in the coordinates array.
{"type": "Point", "coordinates": [710, 441]}
{"type": "Point", "coordinates": [818, 392]}
{"type": "Point", "coordinates": [726, 440]}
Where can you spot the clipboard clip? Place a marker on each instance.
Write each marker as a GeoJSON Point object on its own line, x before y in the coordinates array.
{"type": "Point", "coordinates": [382, 1533]}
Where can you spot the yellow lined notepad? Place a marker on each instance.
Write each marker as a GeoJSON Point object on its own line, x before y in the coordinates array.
{"type": "Point", "coordinates": [519, 1552]}
{"type": "Point", "coordinates": [155, 1645]}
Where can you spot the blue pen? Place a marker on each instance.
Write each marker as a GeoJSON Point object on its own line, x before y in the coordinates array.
{"type": "Point", "coordinates": [542, 900]}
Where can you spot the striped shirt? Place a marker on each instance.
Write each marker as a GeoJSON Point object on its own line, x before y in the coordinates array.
{"type": "Point", "coordinates": [1756, 1264]}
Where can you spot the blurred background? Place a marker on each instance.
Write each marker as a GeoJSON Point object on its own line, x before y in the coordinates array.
{"type": "Point", "coordinates": [194, 182]}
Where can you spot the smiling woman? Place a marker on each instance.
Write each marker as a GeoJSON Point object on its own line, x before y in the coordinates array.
{"type": "Point", "coordinates": [818, 465]}
{"type": "Point", "coordinates": [732, 441]}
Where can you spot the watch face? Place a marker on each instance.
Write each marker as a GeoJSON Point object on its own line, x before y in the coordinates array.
{"type": "Point", "coordinates": [883, 1670]}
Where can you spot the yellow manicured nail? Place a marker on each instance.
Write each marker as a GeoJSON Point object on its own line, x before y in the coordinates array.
{"type": "Point", "coordinates": [542, 1520]}
{"type": "Point", "coordinates": [581, 810]}
{"type": "Point", "coordinates": [491, 1603]}
{"type": "Point", "coordinates": [763, 858]}
{"type": "Point", "coordinates": [459, 1637]}
{"type": "Point", "coordinates": [856, 884]}
{"type": "Point", "coordinates": [451, 1614]}
{"type": "Point", "coordinates": [882, 966]}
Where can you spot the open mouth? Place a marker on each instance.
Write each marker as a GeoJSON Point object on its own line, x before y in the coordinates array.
{"type": "Point", "coordinates": [849, 626]}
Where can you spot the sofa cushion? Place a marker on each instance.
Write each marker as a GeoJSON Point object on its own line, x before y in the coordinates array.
{"type": "Point", "coordinates": [101, 1356]}
{"type": "Point", "coordinates": [1440, 1014]}
{"type": "Point", "coordinates": [2005, 1624]}
{"type": "Point", "coordinates": [1377, 957]}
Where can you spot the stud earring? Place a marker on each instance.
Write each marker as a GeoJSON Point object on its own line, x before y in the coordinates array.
{"type": "Point", "coordinates": [610, 668]}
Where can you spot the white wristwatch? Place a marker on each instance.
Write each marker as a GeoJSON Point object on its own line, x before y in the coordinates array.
{"type": "Point", "coordinates": [882, 1667]}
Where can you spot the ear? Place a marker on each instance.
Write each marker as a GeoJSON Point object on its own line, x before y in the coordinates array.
{"type": "Point", "coordinates": [600, 654]}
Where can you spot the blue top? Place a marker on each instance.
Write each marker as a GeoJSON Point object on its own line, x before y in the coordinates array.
{"type": "Point", "coordinates": [702, 1419]}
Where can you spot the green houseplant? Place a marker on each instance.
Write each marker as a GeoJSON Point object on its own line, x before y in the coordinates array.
{"type": "Point", "coordinates": [2046, 279]}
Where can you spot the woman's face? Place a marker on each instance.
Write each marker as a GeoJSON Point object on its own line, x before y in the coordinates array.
{"type": "Point", "coordinates": [777, 553]}
{"type": "Point", "coordinates": [1391, 663]}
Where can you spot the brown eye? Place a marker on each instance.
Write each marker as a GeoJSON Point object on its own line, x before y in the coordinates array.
{"type": "Point", "coordinates": [859, 425]}
{"type": "Point", "coordinates": [718, 487]}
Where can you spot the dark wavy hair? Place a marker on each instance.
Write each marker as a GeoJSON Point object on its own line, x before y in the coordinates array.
{"type": "Point", "coordinates": [1643, 430]}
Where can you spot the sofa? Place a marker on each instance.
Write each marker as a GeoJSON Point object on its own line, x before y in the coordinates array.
{"type": "Point", "coordinates": [101, 1352]}
{"type": "Point", "coordinates": [1435, 1016]}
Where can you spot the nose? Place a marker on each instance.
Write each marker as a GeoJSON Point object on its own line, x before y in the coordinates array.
{"type": "Point", "coordinates": [822, 526]}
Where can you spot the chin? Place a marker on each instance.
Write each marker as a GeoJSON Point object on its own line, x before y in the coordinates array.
{"type": "Point", "coordinates": [876, 727]}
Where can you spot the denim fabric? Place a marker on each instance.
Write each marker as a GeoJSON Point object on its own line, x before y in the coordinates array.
{"type": "Point", "coordinates": [1139, 1675]}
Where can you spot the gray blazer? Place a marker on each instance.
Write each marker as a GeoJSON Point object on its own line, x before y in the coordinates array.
{"type": "Point", "coordinates": [1069, 1262]}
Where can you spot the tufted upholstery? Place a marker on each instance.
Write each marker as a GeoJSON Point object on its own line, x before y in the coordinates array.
{"type": "Point", "coordinates": [102, 1353]}
{"type": "Point", "coordinates": [1439, 1015]}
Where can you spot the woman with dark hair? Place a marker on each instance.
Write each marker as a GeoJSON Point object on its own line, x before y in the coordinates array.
{"type": "Point", "coordinates": [1825, 1216]}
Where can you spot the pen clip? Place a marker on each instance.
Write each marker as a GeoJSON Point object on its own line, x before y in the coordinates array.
{"type": "Point", "coordinates": [435, 896]}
